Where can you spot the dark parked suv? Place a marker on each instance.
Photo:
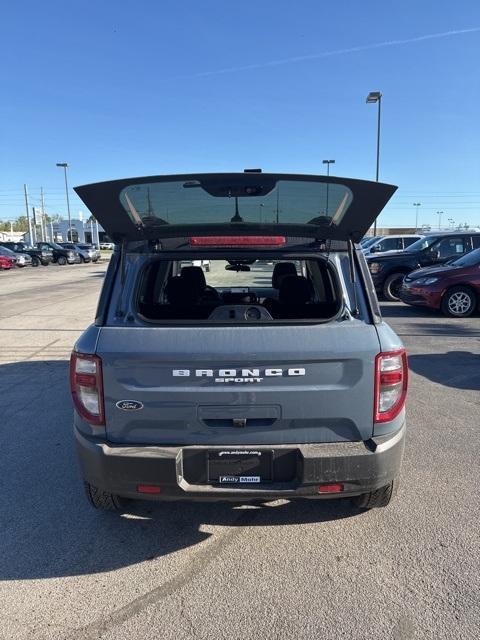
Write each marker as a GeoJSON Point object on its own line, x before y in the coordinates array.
{"type": "Point", "coordinates": [272, 375]}
{"type": "Point", "coordinates": [388, 270]}
{"type": "Point", "coordinates": [61, 255]}
{"type": "Point", "coordinates": [39, 256]}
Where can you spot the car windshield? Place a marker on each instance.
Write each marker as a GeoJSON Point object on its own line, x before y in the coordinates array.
{"type": "Point", "coordinates": [468, 260]}
{"type": "Point", "coordinates": [6, 252]}
{"type": "Point", "coordinates": [422, 244]}
{"type": "Point", "coordinates": [54, 245]}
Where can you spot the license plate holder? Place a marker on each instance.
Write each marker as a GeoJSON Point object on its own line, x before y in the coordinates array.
{"type": "Point", "coordinates": [239, 466]}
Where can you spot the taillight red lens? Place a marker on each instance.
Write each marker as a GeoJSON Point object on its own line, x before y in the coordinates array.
{"type": "Point", "coordinates": [237, 241]}
{"type": "Point", "coordinates": [391, 382]}
{"type": "Point", "coordinates": [86, 385]}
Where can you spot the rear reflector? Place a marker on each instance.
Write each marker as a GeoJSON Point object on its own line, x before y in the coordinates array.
{"type": "Point", "coordinates": [330, 488]}
{"type": "Point", "coordinates": [148, 488]}
{"type": "Point", "coordinates": [237, 241]}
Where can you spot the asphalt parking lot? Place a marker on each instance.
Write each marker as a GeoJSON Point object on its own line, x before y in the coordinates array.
{"type": "Point", "coordinates": [219, 571]}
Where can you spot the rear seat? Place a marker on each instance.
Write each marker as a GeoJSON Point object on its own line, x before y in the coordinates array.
{"type": "Point", "coordinates": [295, 301]}
{"type": "Point", "coordinates": [184, 302]}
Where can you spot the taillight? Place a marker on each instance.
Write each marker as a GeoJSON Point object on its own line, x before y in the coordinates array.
{"type": "Point", "coordinates": [391, 381]}
{"type": "Point", "coordinates": [87, 387]}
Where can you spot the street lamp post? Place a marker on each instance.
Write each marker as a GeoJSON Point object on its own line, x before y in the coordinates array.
{"type": "Point", "coordinates": [416, 205]}
{"type": "Point", "coordinates": [439, 214]}
{"type": "Point", "coordinates": [328, 163]}
{"type": "Point", "coordinates": [372, 98]}
{"type": "Point", "coordinates": [69, 232]}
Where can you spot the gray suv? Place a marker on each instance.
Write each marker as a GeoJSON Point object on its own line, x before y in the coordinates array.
{"type": "Point", "coordinates": [272, 375]}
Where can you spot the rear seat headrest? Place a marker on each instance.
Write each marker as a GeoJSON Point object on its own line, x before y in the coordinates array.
{"type": "Point", "coordinates": [195, 277]}
{"type": "Point", "coordinates": [179, 291]}
{"type": "Point", "coordinates": [295, 290]}
{"type": "Point", "coordinates": [280, 271]}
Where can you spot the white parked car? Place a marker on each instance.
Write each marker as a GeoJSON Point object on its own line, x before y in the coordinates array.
{"type": "Point", "coordinates": [204, 264]}
{"type": "Point", "coordinates": [107, 245]}
{"type": "Point", "coordinates": [390, 243]}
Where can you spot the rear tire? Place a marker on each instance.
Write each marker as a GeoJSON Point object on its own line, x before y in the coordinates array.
{"type": "Point", "coordinates": [102, 499]}
{"type": "Point", "coordinates": [61, 260]}
{"type": "Point", "coordinates": [376, 499]}
{"type": "Point", "coordinates": [35, 261]}
{"type": "Point", "coordinates": [392, 285]}
{"type": "Point", "coordinates": [459, 302]}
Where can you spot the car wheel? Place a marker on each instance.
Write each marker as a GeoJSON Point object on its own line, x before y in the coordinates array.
{"type": "Point", "coordinates": [82, 260]}
{"type": "Point", "coordinates": [459, 302]}
{"type": "Point", "coordinates": [376, 499]}
{"type": "Point", "coordinates": [35, 261]}
{"type": "Point", "coordinates": [61, 260]}
{"type": "Point", "coordinates": [103, 499]}
{"type": "Point", "coordinates": [392, 285]}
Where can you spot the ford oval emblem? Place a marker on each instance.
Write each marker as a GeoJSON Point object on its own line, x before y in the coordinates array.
{"type": "Point", "coordinates": [129, 405]}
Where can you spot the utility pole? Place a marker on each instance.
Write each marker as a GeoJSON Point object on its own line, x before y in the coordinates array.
{"type": "Point", "coordinates": [44, 222]}
{"type": "Point", "coordinates": [34, 218]}
{"type": "Point", "coordinates": [64, 165]}
{"type": "Point", "coordinates": [27, 208]}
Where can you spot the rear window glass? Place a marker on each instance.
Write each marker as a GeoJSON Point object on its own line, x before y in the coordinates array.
{"type": "Point", "coordinates": [228, 290]}
{"type": "Point", "coordinates": [261, 200]}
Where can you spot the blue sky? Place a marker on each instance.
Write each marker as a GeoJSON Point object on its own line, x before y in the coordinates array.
{"type": "Point", "coordinates": [120, 89]}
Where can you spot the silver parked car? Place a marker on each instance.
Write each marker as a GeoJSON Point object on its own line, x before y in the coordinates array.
{"type": "Point", "coordinates": [239, 383]}
{"type": "Point", "coordinates": [87, 252]}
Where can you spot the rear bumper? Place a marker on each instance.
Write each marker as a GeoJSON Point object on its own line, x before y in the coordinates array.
{"type": "Point", "coordinates": [360, 466]}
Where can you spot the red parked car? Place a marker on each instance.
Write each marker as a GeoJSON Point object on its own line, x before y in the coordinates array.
{"type": "Point", "coordinates": [7, 262]}
{"type": "Point", "coordinates": [453, 287]}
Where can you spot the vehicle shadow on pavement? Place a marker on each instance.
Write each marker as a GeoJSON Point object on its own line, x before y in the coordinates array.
{"type": "Point", "coordinates": [48, 529]}
{"type": "Point", "coordinates": [457, 369]}
{"type": "Point", "coordinates": [400, 310]}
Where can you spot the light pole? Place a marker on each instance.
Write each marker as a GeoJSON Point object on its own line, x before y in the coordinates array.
{"type": "Point", "coordinates": [69, 232]}
{"type": "Point", "coordinates": [452, 222]}
{"type": "Point", "coordinates": [439, 214]}
{"type": "Point", "coordinates": [416, 205]}
{"type": "Point", "coordinates": [328, 163]}
{"type": "Point", "coordinates": [372, 98]}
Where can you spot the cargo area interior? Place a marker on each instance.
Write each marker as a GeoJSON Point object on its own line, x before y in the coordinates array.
{"type": "Point", "coordinates": [232, 289]}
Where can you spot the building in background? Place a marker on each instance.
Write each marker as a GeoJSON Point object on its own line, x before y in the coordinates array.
{"type": "Point", "coordinates": [81, 231]}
